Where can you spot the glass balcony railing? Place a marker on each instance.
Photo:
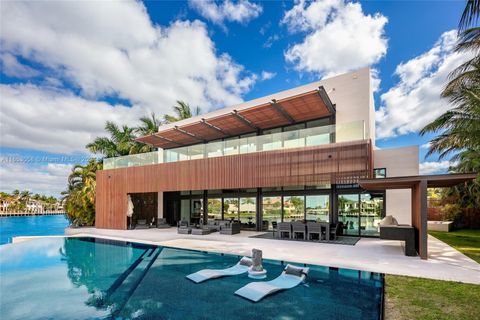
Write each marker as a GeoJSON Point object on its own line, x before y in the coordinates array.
{"type": "Point", "coordinates": [283, 140]}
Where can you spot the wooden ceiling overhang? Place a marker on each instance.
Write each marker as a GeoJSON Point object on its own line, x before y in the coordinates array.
{"type": "Point", "coordinates": [433, 181]}
{"type": "Point", "coordinates": [307, 106]}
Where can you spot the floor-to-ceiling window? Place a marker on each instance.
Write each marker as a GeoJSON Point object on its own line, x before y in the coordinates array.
{"type": "Point", "coordinates": [371, 209]}
{"type": "Point", "coordinates": [230, 208]}
{"type": "Point", "coordinates": [215, 208]}
{"type": "Point", "coordinates": [348, 213]}
{"type": "Point", "coordinates": [293, 208]}
{"type": "Point", "coordinates": [317, 208]}
{"type": "Point", "coordinates": [197, 211]}
{"type": "Point", "coordinates": [360, 213]}
{"type": "Point", "coordinates": [272, 210]}
{"type": "Point", "coordinates": [247, 212]}
{"type": "Point", "coordinates": [185, 210]}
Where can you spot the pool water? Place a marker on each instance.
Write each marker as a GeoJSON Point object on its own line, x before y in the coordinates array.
{"type": "Point", "coordinates": [88, 278]}
{"type": "Point", "coordinates": [31, 226]}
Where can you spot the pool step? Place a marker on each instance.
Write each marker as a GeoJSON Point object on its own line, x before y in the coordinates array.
{"type": "Point", "coordinates": [118, 294]}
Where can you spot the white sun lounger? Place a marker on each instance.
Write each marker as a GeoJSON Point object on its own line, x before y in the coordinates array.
{"type": "Point", "coordinates": [241, 267]}
{"type": "Point", "coordinates": [291, 277]}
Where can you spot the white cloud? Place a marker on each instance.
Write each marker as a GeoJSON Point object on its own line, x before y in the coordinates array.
{"type": "Point", "coordinates": [426, 145]}
{"type": "Point", "coordinates": [415, 100]}
{"type": "Point", "coordinates": [241, 11]}
{"type": "Point", "coordinates": [13, 68]}
{"type": "Point", "coordinates": [56, 121]}
{"type": "Point", "coordinates": [339, 36]}
{"type": "Point", "coordinates": [267, 75]}
{"type": "Point", "coordinates": [435, 167]}
{"type": "Point", "coordinates": [106, 49]}
{"type": "Point", "coordinates": [47, 179]}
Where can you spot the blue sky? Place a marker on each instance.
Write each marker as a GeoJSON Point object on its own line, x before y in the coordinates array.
{"type": "Point", "coordinates": [66, 68]}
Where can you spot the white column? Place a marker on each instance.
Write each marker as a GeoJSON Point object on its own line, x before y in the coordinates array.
{"type": "Point", "coordinates": [160, 205]}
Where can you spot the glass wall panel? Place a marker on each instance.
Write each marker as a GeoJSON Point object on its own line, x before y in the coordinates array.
{"type": "Point", "coordinates": [371, 213]}
{"type": "Point", "coordinates": [231, 146]}
{"type": "Point", "coordinates": [317, 208]}
{"type": "Point", "coordinates": [185, 210]}
{"type": "Point", "coordinates": [348, 213]}
{"type": "Point", "coordinates": [197, 211]}
{"type": "Point", "coordinates": [230, 208]}
{"type": "Point", "coordinates": [248, 209]}
{"type": "Point", "coordinates": [214, 149]}
{"type": "Point", "coordinates": [272, 211]}
{"type": "Point", "coordinates": [215, 208]}
{"type": "Point", "coordinates": [293, 208]}
{"type": "Point", "coordinates": [196, 151]}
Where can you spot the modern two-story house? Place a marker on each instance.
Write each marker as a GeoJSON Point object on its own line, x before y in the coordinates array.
{"type": "Point", "coordinates": [294, 155]}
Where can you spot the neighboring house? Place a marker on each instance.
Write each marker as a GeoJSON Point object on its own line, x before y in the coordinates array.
{"type": "Point", "coordinates": [300, 154]}
{"type": "Point", "coordinates": [5, 204]}
{"type": "Point", "coordinates": [34, 206]}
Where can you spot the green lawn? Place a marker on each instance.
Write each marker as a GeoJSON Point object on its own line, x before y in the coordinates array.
{"type": "Point", "coordinates": [418, 298]}
{"type": "Point", "coordinates": [466, 241]}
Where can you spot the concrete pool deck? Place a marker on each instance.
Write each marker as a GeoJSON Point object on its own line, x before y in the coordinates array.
{"type": "Point", "coordinates": [369, 254]}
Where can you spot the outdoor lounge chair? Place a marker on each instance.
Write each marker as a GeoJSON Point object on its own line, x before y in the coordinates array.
{"type": "Point", "coordinates": [241, 267]}
{"type": "Point", "coordinates": [142, 224]}
{"type": "Point", "coordinates": [183, 227]}
{"type": "Point", "coordinates": [298, 228]}
{"type": "Point", "coordinates": [284, 228]}
{"type": "Point", "coordinates": [162, 223]}
{"type": "Point", "coordinates": [291, 277]}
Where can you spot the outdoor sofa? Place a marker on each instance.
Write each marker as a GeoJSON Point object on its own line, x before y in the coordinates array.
{"type": "Point", "coordinates": [232, 227]}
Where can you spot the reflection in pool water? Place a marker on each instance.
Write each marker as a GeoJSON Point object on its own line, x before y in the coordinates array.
{"type": "Point", "coordinates": [87, 278]}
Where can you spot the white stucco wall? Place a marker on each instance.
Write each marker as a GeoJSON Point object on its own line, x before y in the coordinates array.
{"type": "Point", "coordinates": [351, 93]}
{"type": "Point", "coordinates": [398, 162]}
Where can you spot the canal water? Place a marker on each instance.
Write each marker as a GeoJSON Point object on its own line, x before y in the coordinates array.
{"type": "Point", "coordinates": [31, 226]}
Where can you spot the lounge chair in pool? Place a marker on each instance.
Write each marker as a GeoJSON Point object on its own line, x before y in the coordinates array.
{"type": "Point", "coordinates": [241, 267]}
{"type": "Point", "coordinates": [291, 277]}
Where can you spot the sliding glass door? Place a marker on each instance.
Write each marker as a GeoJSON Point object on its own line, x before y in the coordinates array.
{"type": "Point", "coordinates": [360, 213]}
{"type": "Point", "coordinates": [348, 213]}
{"type": "Point", "coordinates": [247, 212]}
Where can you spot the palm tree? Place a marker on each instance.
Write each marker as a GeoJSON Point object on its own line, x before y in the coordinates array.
{"type": "Point", "coordinates": [182, 111]}
{"type": "Point", "coordinates": [459, 127]}
{"type": "Point", "coordinates": [80, 196]}
{"type": "Point", "coordinates": [148, 126]}
{"type": "Point", "coordinates": [120, 143]}
{"type": "Point", "coordinates": [470, 14]}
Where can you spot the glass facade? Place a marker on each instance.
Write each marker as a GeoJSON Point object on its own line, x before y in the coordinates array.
{"type": "Point", "coordinates": [318, 208]}
{"type": "Point", "coordinates": [293, 208]}
{"type": "Point", "coordinates": [248, 212]}
{"type": "Point", "coordinates": [272, 211]}
{"type": "Point", "coordinates": [348, 213]}
{"type": "Point", "coordinates": [361, 213]}
{"type": "Point", "coordinates": [214, 208]}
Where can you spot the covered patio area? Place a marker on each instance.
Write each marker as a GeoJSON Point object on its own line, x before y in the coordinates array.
{"type": "Point", "coordinates": [418, 186]}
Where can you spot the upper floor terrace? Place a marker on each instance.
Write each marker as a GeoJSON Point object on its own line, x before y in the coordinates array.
{"type": "Point", "coordinates": [300, 138]}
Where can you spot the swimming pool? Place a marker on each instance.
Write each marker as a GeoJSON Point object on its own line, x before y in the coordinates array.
{"type": "Point", "coordinates": [91, 278]}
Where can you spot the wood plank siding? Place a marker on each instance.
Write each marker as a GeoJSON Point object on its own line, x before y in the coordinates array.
{"type": "Point", "coordinates": [332, 163]}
